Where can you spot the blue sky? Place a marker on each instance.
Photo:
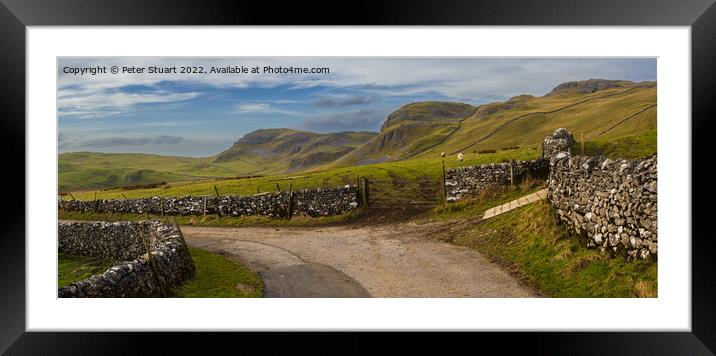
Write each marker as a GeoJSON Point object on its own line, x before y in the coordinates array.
{"type": "Point", "coordinates": [202, 114]}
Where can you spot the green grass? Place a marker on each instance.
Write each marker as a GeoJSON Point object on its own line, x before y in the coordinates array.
{"type": "Point", "coordinates": [475, 207]}
{"type": "Point", "coordinates": [219, 277]}
{"type": "Point", "coordinates": [76, 268]}
{"type": "Point", "coordinates": [216, 276]}
{"type": "Point", "coordinates": [93, 170]}
{"type": "Point", "coordinates": [528, 120]}
{"type": "Point", "coordinates": [409, 170]}
{"type": "Point", "coordinates": [528, 241]}
{"type": "Point", "coordinates": [215, 220]}
{"type": "Point", "coordinates": [637, 146]}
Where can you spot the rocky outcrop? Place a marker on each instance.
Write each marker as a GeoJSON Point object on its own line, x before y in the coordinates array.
{"type": "Point", "coordinates": [588, 86]}
{"type": "Point", "coordinates": [152, 258]}
{"type": "Point", "coordinates": [427, 111]}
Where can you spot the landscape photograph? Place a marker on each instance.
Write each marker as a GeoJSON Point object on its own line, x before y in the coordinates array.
{"type": "Point", "coordinates": [357, 177]}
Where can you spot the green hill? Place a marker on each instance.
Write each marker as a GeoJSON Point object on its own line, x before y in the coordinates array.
{"type": "Point", "coordinates": [412, 128]}
{"type": "Point", "coordinates": [260, 152]}
{"type": "Point", "coordinates": [91, 170]}
{"type": "Point", "coordinates": [601, 109]}
{"type": "Point", "coordinates": [615, 117]}
{"type": "Point", "coordinates": [286, 150]}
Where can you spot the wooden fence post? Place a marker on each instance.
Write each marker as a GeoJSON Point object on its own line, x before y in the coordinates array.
{"type": "Point", "coordinates": [512, 173]}
{"type": "Point", "coordinates": [444, 186]}
{"type": "Point", "coordinates": [290, 200]}
{"type": "Point", "coordinates": [204, 208]}
{"type": "Point", "coordinates": [278, 188]}
{"type": "Point", "coordinates": [71, 196]}
{"type": "Point", "coordinates": [358, 194]}
{"type": "Point", "coordinates": [216, 190]}
{"type": "Point", "coordinates": [364, 192]}
{"type": "Point", "coordinates": [367, 192]}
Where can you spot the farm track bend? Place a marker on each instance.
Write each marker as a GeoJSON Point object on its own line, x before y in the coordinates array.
{"type": "Point", "coordinates": [391, 260]}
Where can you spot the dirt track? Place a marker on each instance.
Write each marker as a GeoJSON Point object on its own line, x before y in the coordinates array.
{"type": "Point", "coordinates": [393, 260]}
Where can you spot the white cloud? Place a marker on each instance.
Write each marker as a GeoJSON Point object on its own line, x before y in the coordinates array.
{"type": "Point", "coordinates": [464, 78]}
{"type": "Point", "coordinates": [89, 103]}
{"type": "Point", "coordinates": [262, 107]}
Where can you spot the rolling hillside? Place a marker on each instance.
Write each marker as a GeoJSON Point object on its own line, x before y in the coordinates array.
{"type": "Point", "coordinates": [616, 117]}
{"type": "Point", "coordinates": [602, 109]}
{"type": "Point", "coordinates": [286, 150]}
{"type": "Point", "coordinates": [91, 170]}
{"type": "Point", "coordinates": [261, 152]}
{"type": "Point", "coordinates": [412, 128]}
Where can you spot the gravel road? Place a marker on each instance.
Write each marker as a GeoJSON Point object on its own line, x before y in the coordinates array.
{"type": "Point", "coordinates": [390, 260]}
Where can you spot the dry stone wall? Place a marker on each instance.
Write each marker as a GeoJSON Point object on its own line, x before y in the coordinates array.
{"type": "Point", "coordinates": [470, 181]}
{"type": "Point", "coordinates": [310, 202]}
{"type": "Point", "coordinates": [612, 203]}
{"type": "Point", "coordinates": [139, 274]}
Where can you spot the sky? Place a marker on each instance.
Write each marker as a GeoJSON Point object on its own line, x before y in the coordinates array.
{"type": "Point", "coordinates": [200, 114]}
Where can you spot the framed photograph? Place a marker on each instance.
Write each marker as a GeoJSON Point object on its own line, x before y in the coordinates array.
{"type": "Point", "coordinates": [512, 173]}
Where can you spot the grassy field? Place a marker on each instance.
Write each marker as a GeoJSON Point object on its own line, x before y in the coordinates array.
{"type": "Point", "coordinates": [630, 147]}
{"type": "Point", "coordinates": [277, 150]}
{"type": "Point", "coordinates": [92, 170]}
{"type": "Point", "coordinates": [216, 276]}
{"type": "Point", "coordinates": [409, 170]}
{"type": "Point", "coordinates": [76, 268]}
{"type": "Point", "coordinates": [528, 242]}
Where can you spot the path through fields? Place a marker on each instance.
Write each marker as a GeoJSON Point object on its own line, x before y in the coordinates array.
{"type": "Point", "coordinates": [391, 260]}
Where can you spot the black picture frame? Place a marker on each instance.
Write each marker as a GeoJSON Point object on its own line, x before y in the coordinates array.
{"type": "Point", "coordinates": [16, 15]}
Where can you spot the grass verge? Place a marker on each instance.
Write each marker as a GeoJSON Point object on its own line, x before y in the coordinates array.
{"type": "Point", "coordinates": [530, 243]}
{"type": "Point", "coordinates": [215, 220]}
{"type": "Point", "coordinates": [219, 277]}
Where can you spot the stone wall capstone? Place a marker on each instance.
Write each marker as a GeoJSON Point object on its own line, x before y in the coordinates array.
{"type": "Point", "coordinates": [559, 141]}
{"type": "Point", "coordinates": [138, 274]}
{"type": "Point", "coordinates": [310, 202]}
{"type": "Point", "coordinates": [470, 181]}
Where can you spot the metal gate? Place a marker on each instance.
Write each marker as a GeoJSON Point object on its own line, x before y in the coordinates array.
{"type": "Point", "coordinates": [400, 193]}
